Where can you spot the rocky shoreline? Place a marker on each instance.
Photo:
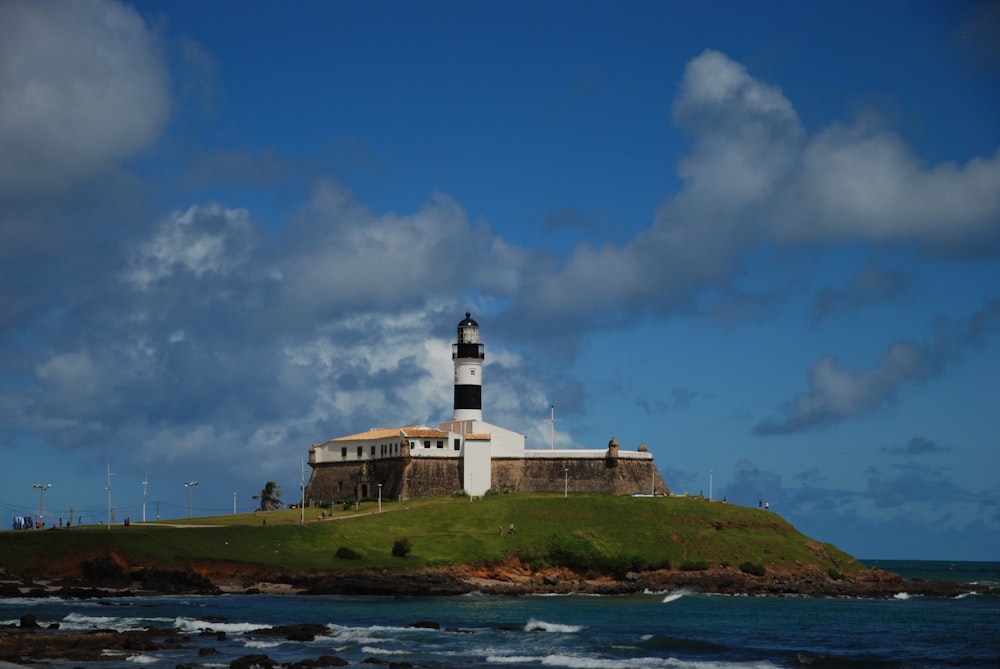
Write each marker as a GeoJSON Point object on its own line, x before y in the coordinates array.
{"type": "Point", "coordinates": [512, 578]}
{"type": "Point", "coordinates": [27, 641]}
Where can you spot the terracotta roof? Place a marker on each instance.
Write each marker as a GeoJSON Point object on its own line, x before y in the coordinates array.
{"type": "Point", "coordinates": [377, 433]}
{"type": "Point", "coordinates": [486, 436]}
{"type": "Point", "coordinates": [424, 432]}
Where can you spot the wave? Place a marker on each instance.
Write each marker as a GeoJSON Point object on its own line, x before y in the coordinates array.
{"type": "Point", "coordinates": [257, 643]}
{"type": "Point", "coordinates": [675, 595]}
{"type": "Point", "coordinates": [143, 659]}
{"type": "Point", "coordinates": [79, 621]}
{"type": "Point", "coordinates": [375, 650]}
{"type": "Point", "coordinates": [534, 625]}
{"type": "Point", "coordinates": [195, 625]}
{"type": "Point", "coordinates": [902, 596]}
{"type": "Point", "coordinates": [665, 643]}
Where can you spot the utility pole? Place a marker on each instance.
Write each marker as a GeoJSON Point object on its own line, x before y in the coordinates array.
{"type": "Point", "coordinates": [302, 502]}
{"type": "Point", "coordinates": [109, 494]}
{"type": "Point", "coordinates": [145, 482]}
{"type": "Point", "coordinates": [552, 428]}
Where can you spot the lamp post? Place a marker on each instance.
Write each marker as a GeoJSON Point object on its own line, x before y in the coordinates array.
{"type": "Point", "coordinates": [41, 488]}
{"type": "Point", "coordinates": [234, 504]}
{"type": "Point", "coordinates": [552, 426]}
{"type": "Point", "coordinates": [380, 498]}
{"type": "Point", "coordinates": [109, 494]}
{"type": "Point", "coordinates": [145, 483]}
{"type": "Point", "coordinates": [709, 485]}
{"type": "Point", "coordinates": [565, 482]}
{"type": "Point", "coordinates": [190, 486]}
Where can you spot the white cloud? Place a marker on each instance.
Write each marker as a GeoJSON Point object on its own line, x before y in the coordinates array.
{"type": "Point", "coordinates": [836, 394]}
{"type": "Point", "coordinates": [82, 87]}
{"type": "Point", "coordinates": [202, 240]}
{"type": "Point", "coordinates": [755, 177]}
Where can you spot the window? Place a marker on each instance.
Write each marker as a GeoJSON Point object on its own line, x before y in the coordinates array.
{"type": "Point", "coordinates": [427, 443]}
{"type": "Point", "coordinates": [440, 443]}
{"type": "Point", "coordinates": [458, 444]}
{"type": "Point", "coordinates": [343, 451]}
{"type": "Point", "coordinates": [373, 450]}
{"type": "Point", "coordinates": [361, 451]}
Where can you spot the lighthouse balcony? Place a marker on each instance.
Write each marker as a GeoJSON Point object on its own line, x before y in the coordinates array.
{"type": "Point", "coordinates": [463, 351]}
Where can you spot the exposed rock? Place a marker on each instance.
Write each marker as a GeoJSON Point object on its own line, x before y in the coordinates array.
{"type": "Point", "coordinates": [257, 661]}
{"type": "Point", "coordinates": [296, 632]}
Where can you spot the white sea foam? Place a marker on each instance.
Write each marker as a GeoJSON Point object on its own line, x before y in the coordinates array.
{"type": "Point", "coordinates": [535, 625]}
{"type": "Point", "coordinates": [674, 596]}
{"type": "Point", "coordinates": [375, 650]}
{"type": "Point", "coordinates": [194, 625]}
{"type": "Point", "coordinates": [79, 621]}
{"type": "Point", "coordinates": [257, 643]}
{"type": "Point", "coordinates": [143, 659]}
{"type": "Point", "coordinates": [513, 659]}
{"type": "Point", "coordinates": [901, 595]}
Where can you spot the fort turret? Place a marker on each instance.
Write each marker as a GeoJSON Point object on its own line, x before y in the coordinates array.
{"type": "Point", "coordinates": [467, 354]}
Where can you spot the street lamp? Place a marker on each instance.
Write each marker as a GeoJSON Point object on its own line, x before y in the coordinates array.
{"type": "Point", "coordinates": [380, 498]}
{"type": "Point", "coordinates": [709, 485]}
{"type": "Point", "coordinates": [565, 482]}
{"type": "Point", "coordinates": [234, 504]}
{"type": "Point", "coordinates": [190, 486]}
{"type": "Point", "coordinates": [41, 488]}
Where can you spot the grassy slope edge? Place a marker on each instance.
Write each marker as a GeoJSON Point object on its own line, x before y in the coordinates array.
{"type": "Point", "coordinates": [595, 532]}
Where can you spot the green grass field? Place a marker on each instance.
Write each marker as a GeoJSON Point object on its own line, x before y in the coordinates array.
{"type": "Point", "coordinates": [586, 531]}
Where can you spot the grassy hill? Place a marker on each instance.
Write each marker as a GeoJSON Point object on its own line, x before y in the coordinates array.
{"type": "Point", "coordinates": [586, 532]}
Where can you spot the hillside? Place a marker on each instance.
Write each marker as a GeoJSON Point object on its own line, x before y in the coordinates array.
{"type": "Point", "coordinates": [591, 542]}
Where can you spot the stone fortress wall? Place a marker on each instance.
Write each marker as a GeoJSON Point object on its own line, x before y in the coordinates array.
{"type": "Point", "coordinates": [406, 477]}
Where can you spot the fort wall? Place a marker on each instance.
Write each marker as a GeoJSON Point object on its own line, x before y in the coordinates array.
{"type": "Point", "coordinates": [409, 477]}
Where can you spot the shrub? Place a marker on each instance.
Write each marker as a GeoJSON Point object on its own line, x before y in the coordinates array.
{"type": "Point", "coordinates": [834, 574]}
{"type": "Point", "coordinates": [345, 553]}
{"type": "Point", "coordinates": [459, 493]}
{"type": "Point", "coordinates": [401, 548]}
{"type": "Point", "coordinates": [752, 568]}
{"type": "Point", "coordinates": [694, 565]}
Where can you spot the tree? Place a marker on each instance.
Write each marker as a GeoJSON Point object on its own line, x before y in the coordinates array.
{"type": "Point", "coordinates": [270, 497]}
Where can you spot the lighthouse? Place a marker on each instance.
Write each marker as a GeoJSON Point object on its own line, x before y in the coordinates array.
{"type": "Point", "coordinates": [467, 354]}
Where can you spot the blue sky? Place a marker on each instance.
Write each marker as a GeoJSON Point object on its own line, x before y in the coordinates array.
{"type": "Point", "coordinates": [761, 238]}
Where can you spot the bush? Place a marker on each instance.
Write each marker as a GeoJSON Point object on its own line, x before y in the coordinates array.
{"type": "Point", "coordinates": [401, 548]}
{"type": "Point", "coordinates": [345, 553]}
{"type": "Point", "coordinates": [694, 565]}
{"type": "Point", "coordinates": [459, 493]}
{"type": "Point", "coordinates": [752, 568]}
{"type": "Point", "coordinates": [834, 574]}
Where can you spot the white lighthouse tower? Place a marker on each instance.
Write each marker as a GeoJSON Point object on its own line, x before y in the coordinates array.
{"type": "Point", "coordinates": [467, 354]}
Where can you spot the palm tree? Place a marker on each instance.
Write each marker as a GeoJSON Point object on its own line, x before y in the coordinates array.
{"type": "Point", "coordinates": [270, 497]}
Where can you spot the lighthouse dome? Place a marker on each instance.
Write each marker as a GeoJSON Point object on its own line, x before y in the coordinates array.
{"type": "Point", "coordinates": [468, 321]}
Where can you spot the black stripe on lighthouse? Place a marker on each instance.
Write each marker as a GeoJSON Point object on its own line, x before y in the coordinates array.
{"type": "Point", "coordinates": [468, 397]}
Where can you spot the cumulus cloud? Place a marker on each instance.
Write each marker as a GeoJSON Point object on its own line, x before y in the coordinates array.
{"type": "Point", "coordinates": [82, 87]}
{"type": "Point", "coordinates": [754, 176]}
{"type": "Point", "coordinates": [836, 393]}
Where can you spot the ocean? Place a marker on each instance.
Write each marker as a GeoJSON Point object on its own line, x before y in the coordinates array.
{"type": "Point", "coordinates": [650, 630]}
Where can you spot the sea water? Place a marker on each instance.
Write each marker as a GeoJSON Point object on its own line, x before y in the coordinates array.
{"type": "Point", "coordinates": [654, 629]}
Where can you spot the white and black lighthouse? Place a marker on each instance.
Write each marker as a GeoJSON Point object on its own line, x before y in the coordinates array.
{"type": "Point", "coordinates": [467, 354]}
